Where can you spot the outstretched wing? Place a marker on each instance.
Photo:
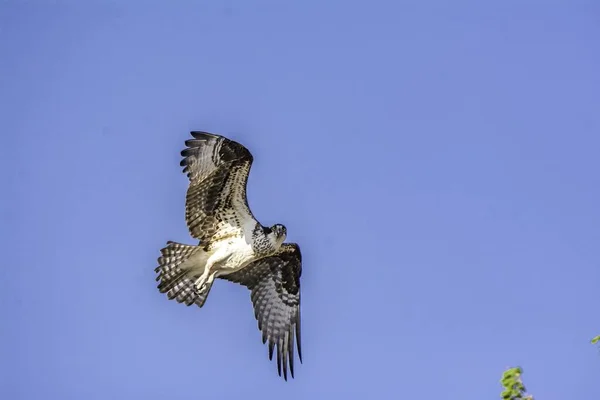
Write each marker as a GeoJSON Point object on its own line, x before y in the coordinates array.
{"type": "Point", "coordinates": [274, 282]}
{"type": "Point", "coordinates": [218, 169]}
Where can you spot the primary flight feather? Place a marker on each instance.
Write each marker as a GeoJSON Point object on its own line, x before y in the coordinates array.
{"type": "Point", "coordinates": [233, 246]}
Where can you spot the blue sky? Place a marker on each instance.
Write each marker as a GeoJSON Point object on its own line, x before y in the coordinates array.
{"type": "Point", "coordinates": [437, 162]}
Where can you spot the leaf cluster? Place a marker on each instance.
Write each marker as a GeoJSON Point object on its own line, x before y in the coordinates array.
{"type": "Point", "coordinates": [513, 386]}
{"type": "Point", "coordinates": [514, 389]}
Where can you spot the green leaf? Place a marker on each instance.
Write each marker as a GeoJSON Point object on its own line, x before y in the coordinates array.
{"type": "Point", "coordinates": [514, 389]}
{"type": "Point", "coordinates": [596, 339]}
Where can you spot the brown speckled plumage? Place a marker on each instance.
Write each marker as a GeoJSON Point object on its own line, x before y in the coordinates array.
{"type": "Point", "coordinates": [233, 246]}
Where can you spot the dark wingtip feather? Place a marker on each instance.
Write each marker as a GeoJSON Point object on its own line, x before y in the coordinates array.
{"type": "Point", "coordinates": [264, 336]}
{"type": "Point", "coordinates": [193, 144]}
{"type": "Point", "coordinates": [283, 342]}
{"type": "Point", "coordinates": [290, 350]}
{"type": "Point", "coordinates": [186, 152]}
{"type": "Point", "coordinates": [203, 135]}
{"type": "Point", "coordinates": [271, 346]}
{"type": "Point", "coordinates": [298, 340]}
{"type": "Point", "coordinates": [279, 357]}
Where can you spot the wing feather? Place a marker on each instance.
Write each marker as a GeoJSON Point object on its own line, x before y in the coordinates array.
{"type": "Point", "coordinates": [274, 282]}
{"type": "Point", "coordinates": [216, 204]}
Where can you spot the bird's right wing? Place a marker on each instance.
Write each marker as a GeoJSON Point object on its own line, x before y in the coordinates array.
{"type": "Point", "coordinates": [274, 282]}
{"type": "Point", "coordinates": [216, 204]}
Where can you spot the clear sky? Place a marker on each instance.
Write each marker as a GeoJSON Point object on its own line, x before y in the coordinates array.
{"type": "Point", "coordinates": [437, 162]}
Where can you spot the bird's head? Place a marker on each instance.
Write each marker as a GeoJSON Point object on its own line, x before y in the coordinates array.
{"type": "Point", "coordinates": [279, 233]}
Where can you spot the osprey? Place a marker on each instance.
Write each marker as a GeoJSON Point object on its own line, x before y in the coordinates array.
{"type": "Point", "coordinates": [233, 246]}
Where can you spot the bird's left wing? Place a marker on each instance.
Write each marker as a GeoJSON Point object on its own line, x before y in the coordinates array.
{"type": "Point", "coordinates": [274, 282]}
{"type": "Point", "coordinates": [216, 204]}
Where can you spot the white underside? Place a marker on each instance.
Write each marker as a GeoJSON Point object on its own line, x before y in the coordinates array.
{"type": "Point", "coordinates": [228, 256]}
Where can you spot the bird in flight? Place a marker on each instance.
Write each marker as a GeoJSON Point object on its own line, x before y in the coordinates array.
{"type": "Point", "coordinates": [233, 246]}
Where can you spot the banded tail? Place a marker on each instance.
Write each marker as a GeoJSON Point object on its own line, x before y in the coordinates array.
{"type": "Point", "coordinates": [176, 282]}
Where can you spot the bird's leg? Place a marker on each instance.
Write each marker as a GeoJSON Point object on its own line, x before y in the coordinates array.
{"type": "Point", "coordinates": [210, 270]}
{"type": "Point", "coordinates": [209, 280]}
{"type": "Point", "coordinates": [202, 279]}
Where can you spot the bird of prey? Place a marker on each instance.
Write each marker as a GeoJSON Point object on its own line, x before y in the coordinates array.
{"type": "Point", "coordinates": [233, 246]}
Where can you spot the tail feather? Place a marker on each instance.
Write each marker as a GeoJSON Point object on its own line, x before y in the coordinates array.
{"type": "Point", "coordinates": [176, 282]}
